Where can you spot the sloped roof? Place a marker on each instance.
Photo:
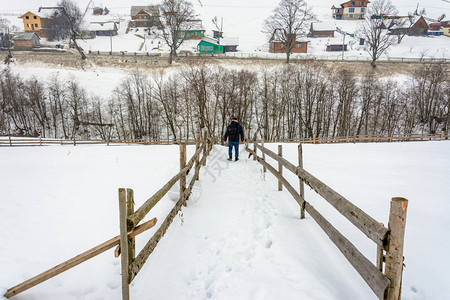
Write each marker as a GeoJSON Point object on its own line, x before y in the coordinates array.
{"type": "Point", "coordinates": [47, 13]}
{"type": "Point", "coordinates": [152, 10]}
{"type": "Point", "coordinates": [25, 36]}
{"type": "Point", "coordinates": [323, 26]}
{"type": "Point", "coordinates": [229, 41]}
{"type": "Point", "coordinates": [102, 26]}
{"type": "Point", "coordinates": [210, 40]}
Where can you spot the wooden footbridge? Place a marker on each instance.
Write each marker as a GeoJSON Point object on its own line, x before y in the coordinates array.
{"type": "Point", "coordinates": [384, 276]}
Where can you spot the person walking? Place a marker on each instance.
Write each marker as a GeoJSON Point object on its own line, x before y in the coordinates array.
{"type": "Point", "coordinates": [233, 133]}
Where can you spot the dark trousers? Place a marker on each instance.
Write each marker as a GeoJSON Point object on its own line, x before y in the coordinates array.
{"type": "Point", "coordinates": [236, 148]}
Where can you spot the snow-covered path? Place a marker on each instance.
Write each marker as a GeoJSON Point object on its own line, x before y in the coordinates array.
{"type": "Point", "coordinates": [239, 238]}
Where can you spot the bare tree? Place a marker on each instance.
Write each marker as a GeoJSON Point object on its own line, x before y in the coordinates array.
{"type": "Point", "coordinates": [289, 21]}
{"type": "Point", "coordinates": [177, 18]}
{"type": "Point", "coordinates": [67, 20]}
{"type": "Point", "coordinates": [375, 29]}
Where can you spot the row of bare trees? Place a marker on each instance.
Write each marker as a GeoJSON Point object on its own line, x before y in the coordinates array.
{"type": "Point", "coordinates": [279, 103]}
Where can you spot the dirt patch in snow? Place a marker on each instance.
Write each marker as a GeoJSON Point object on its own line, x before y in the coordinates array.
{"type": "Point", "coordinates": [70, 60]}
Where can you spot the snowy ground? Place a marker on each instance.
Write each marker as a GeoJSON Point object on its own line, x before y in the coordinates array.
{"type": "Point", "coordinates": [238, 238]}
{"type": "Point", "coordinates": [245, 20]}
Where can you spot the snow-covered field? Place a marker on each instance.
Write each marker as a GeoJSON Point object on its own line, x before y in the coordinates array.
{"type": "Point", "coordinates": [238, 238]}
{"type": "Point", "coordinates": [245, 20]}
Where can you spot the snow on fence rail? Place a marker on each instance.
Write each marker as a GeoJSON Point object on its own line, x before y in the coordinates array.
{"type": "Point", "coordinates": [128, 225]}
{"type": "Point", "coordinates": [129, 218]}
{"type": "Point", "coordinates": [390, 240]}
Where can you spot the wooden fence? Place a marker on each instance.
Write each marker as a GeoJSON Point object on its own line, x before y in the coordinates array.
{"type": "Point", "coordinates": [129, 218]}
{"type": "Point", "coordinates": [357, 139]}
{"type": "Point", "coordinates": [128, 225]}
{"type": "Point", "coordinates": [389, 240]}
{"type": "Point", "coordinates": [12, 141]}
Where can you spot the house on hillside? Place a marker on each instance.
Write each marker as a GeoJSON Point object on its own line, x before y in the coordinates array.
{"type": "Point", "coordinates": [419, 28]}
{"type": "Point", "coordinates": [97, 11]}
{"type": "Point", "coordinates": [435, 29]}
{"type": "Point", "coordinates": [322, 29]}
{"type": "Point", "coordinates": [297, 47]}
{"type": "Point", "coordinates": [350, 10]}
{"type": "Point", "coordinates": [209, 46]}
{"type": "Point", "coordinates": [446, 30]}
{"type": "Point", "coordinates": [196, 32]}
{"type": "Point", "coordinates": [26, 41]}
{"type": "Point", "coordinates": [103, 28]}
{"type": "Point", "coordinates": [36, 22]}
{"type": "Point", "coordinates": [145, 16]}
{"type": "Point", "coordinates": [217, 34]}
{"type": "Point", "coordinates": [229, 44]}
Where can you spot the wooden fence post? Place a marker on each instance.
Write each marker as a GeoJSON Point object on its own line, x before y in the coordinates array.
{"type": "Point", "coordinates": [264, 156]}
{"type": "Point", "coordinates": [254, 149]}
{"type": "Point", "coordinates": [10, 142]}
{"type": "Point", "coordinates": [394, 253]}
{"type": "Point", "coordinates": [40, 141]}
{"type": "Point", "coordinates": [314, 139]}
{"type": "Point", "coordinates": [130, 211]}
{"type": "Point", "coordinates": [205, 150]}
{"type": "Point", "coordinates": [124, 243]}
{"type": "Point", "coordinates": [280, 167]}
{"type": "Point", "coordinates": [197, 160]}
{"type": "Point", "coordinates": [182, 166]}
{"type": "Point", "coordinates": [302, 185]}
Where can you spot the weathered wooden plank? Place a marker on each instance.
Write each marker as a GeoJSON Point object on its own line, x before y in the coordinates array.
{"type": "Point", "coordinates": [124, 243]}
{"type": "Point", "coordinates": [263, 156]}
{"type": "Point", "coordinates": [394, 254]}
{"type": "Point", "coordinates": [280, 167]}
{"type": "Point", "coordinates": [368, 271]}
{"type": "Point", "coordinates": [302, 185]}
{"type": "Point", "coordinates": [68, 264]}
{"type": "Point", "coordinates": [369, 226]}
{"type": "Point", "coordinates": [197, 159]}
{"type": "Point", "coordinates": [142, 211]}
{"type": "Point", "coordinates": [182, 166]}
{"type": "Point", "coordinates": [130, 211]}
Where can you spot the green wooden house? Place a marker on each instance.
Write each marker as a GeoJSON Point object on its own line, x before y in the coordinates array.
{"type": "Point", "coordinates": [209, 46]}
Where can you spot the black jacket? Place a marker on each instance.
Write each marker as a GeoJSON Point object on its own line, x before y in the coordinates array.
{"type": "Point", "coordinates": [234, 130]}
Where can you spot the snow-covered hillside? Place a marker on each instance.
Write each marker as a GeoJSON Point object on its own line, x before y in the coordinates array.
{"type": "Point", "coordinates": [245, 19]}
{"type": "Point", "coordinates": [238, 238]}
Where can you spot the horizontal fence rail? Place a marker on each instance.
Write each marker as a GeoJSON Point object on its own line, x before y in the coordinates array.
{"type": "Point", "coordinates": [369, 226]}
{"type": "Point", "coordinates": [385, 286]}
{"type": "Point", "coordinates": [355, 139]}
{"type": "Point", "coordinates": [22, 141]}
{"type": "Point", "coordinates": [76, 260]}
{"type": "Point", "coordinates": [13, 141]}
